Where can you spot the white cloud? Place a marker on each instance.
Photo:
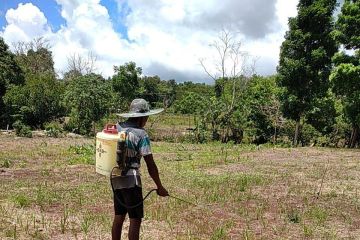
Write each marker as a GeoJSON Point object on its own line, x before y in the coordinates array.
{"type": "Point", "coordinates": [25, 23]}
{"type": "Point", "coordinates": [165, 37]}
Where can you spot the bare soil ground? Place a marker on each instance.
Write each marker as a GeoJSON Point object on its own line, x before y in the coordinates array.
{"type": "Point", "coordinates": [49, 190]}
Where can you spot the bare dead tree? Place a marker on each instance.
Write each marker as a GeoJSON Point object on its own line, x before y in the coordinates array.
{"type": "Point", "coordinates": [77, 63]}
{"type": "Point", "coordinates": [36, 44]}
{"type": "Point", "coordinates": [229, 61]}
{"type": "Point", "coordinates": [232, 65]}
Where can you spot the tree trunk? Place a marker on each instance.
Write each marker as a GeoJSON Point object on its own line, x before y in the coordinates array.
{"type": "Point", "coordinates": [354, 136]}
{"type": "Point", "coordinates": [275, 135]}
{"type": "Point", "coordinates": [297, 130]}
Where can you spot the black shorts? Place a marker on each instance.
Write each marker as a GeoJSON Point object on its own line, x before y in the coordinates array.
{"type": "Point", "coordinates": [129, 197]}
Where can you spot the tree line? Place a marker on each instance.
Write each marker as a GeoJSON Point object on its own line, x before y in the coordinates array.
{"type": "Point", "coordinates": [313, 99]}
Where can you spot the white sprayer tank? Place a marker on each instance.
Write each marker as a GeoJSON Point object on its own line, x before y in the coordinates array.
{"type": "Point", "coordinates": [106, 146]}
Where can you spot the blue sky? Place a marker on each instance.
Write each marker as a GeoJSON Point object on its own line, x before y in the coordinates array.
{"type": "Point", "coordinates": [50, 8]}
{"type": "Point", "coordinates": [165, 38]}
{"type": "Point", "coordinates": [52, 12]}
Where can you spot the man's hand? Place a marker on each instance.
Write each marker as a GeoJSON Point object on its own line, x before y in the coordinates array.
{"type": "Point", "coordinates": [161, 191]}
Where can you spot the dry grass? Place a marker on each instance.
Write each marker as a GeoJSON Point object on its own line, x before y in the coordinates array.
{"type": "Point", "coordinates": [51, 191]}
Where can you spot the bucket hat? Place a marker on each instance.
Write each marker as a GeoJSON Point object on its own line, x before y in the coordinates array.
{"type": "Point", "coordinates": [140, 108]}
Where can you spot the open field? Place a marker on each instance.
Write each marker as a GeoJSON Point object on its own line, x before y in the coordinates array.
{"type": "Point", "coordinates": [49, 190]}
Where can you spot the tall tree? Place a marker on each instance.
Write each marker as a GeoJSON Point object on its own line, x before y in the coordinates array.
{"type": "Point", "coordinates": [346, 75]}
{"type": "Point", "coordinates": [78, 65]}
{"type": "Point", "coordinates": [10, 74]}
{"type": "Point", "coordinates": [35, 57]}
{"type": "Point", "coordinates": [150, 88]}
{"type": "Point", "coordinates": [231, 70]}
{"type": "Point", "coordinates": [126, 83]}
{"type": "Point", "coordinates": [36, 102]}
{"type": "Point", "coordinates": [88, 98]}
{"type": "Point", "coordinates": [305, 59]}
{"type": "Point", "coordinates": [265, 115]}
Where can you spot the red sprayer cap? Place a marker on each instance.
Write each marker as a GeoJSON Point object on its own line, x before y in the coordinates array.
{"type": "Point", "coordinates": [110, 128]}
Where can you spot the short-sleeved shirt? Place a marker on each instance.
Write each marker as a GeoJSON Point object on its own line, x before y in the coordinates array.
{"type": "Point", "coordinates": [138, 145]}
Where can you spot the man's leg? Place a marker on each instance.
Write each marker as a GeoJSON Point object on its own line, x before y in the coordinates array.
{"type": "Point", "coordinates": [134, 229]}
{"type": "Point", "coordinates": [117, 227]}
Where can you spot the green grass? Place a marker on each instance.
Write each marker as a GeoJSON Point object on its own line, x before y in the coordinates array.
{"type": "Point", "coordinates": [50, 190]}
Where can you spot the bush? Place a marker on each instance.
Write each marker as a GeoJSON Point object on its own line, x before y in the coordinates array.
{"type": "Point", "coordinates": [309, 135]}
{"type": "Point", "coordinates": [53, 129]}
{"type": "Point", "coordinates": [21, 129]}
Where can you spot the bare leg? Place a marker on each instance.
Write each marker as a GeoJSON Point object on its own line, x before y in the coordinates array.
{"type": "Point", "coordinates": [117, 226]}
{"type": "Point", "coordinates": [134, 229]}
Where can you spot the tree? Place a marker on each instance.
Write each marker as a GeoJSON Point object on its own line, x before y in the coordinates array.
{"type": "Point", "coordinates": [190, 103]}
{"type": "Point", "coordinates": [35, 57]}
{"type": "Point", "coordinates": [168, 91]}
{"type": "Point", "coordinates": [231, 71]}
{"type": "Point", "coordinates": [305, 59]}
{"type": "Point", "coordinates": [126, 83]}
{"type": "Point", "coordinates": [229, 64]}
{"type": "Point", "coordinates": [88, 98]}
{"type": "Point", "coordinates": [37, 102]}
{"type": "Point", "coordinates": [346, 75]}
{"type": "Point", "coordinates": [78, 65]}
{"type": "Point", "coordinates": [263, 100]}
{"type": "Point", "coordinates": [10, 74]}
{"type": "Point", "coordinates": [150, 89]}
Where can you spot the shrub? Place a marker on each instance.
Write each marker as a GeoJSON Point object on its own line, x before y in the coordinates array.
{"type": "Point", "coordinates": [21, 129]}
{"type": "Point", "coordinates": [82, 154]}
{"type": "Point", "coordinates": [309, 134]}
{"type": "Point", "coordinates": [53, 129]}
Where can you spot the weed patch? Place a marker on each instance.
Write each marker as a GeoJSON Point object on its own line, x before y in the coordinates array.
{"type": "Point", "coordinates": [318, 214]}
{"type": "Point", "coordinates": [82, 154]}
{"type": "Point", "coordinates": [21, 200]}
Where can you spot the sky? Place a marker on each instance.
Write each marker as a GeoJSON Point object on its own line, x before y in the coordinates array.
{"type": "Point", "coordinates": [164, 37]}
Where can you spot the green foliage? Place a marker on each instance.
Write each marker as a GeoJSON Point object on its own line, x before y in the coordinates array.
{"type": "Point", "coordinates": [21, 129]}
{"type": "Point", "coordinates": [318, 214]}
{"type": "Point", "coordinates": [126, 83]}
{"type": "Point", "coordinates": [150, 89]}
{"type": "Point", "coordinates": [199, 88]}
{"type": "Point", "coordinates": [21, 200]}
{"type": "Point", "coordinates": [82, 154]}
{"type": "Point", "coordinates": [37, 102]}
{"type": "Point", "coordinates": [53, 129]}
{"type": "Point", "coordinates": [322, 114]}
{"type": "Point", "coordinates": [157, 92]}
{"type": "Point", "coordinates": [190, 103]}
{"type": "Point", "coordinates": [308, 134]}
{"type": "Point", "coordinates": [5, 163]}
{"type": "Point", "coordinates": [88, 98]}
{"type": "Point", "coordinates": [226, 117]}
{"type": "Point", "coordinates": [348, 25]}
{"type": "Point", "coordinates": [35, 57]}
{"type": "Point", "coordinates": [10, 74]}
{"type": "Point", "coordinates": [346, 75]}
{"type": "Point", "coordinates": [219, 234]}
{"type": "Point", "coordinates": [305, 57]}
{"type": "Point", "coordinates": [262, 97]}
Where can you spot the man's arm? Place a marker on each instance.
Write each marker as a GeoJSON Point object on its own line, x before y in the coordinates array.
{"type": "Point", "coordinates": [154, 174]}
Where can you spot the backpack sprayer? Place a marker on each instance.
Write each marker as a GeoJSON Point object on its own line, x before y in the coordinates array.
{"type": "Point", "coordinates": [111, 160]}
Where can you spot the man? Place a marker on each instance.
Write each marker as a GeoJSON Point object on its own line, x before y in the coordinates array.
{"type": "Point", "coordinates": [130, 192]}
